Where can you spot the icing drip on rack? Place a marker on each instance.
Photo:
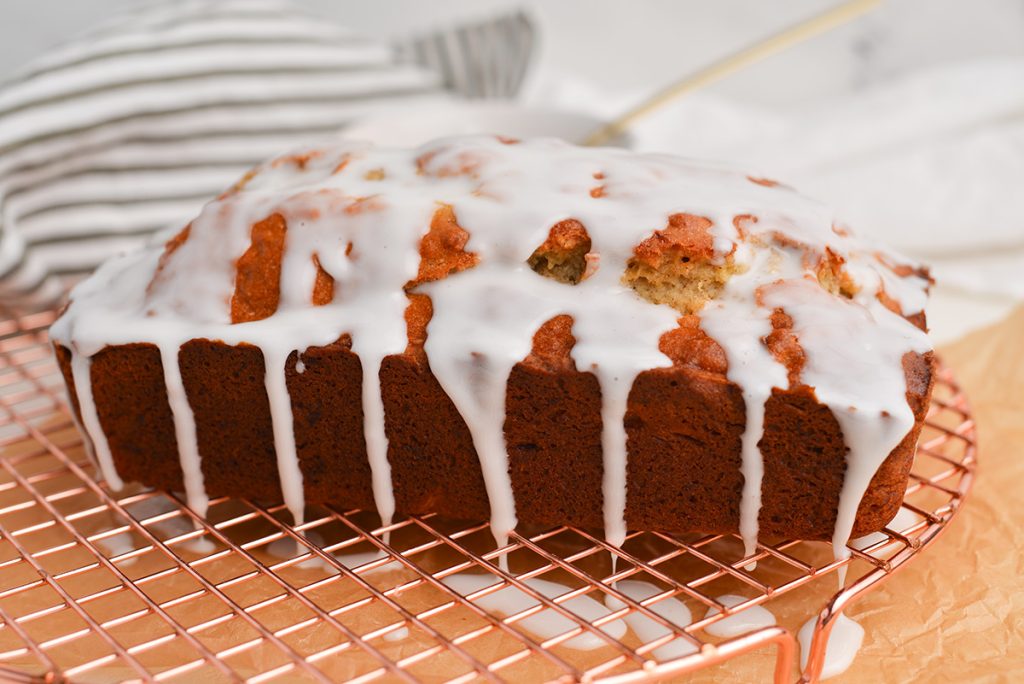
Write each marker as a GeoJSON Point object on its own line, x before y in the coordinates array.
{"type": "Point", "coordinates": [358, 215]}
{"type": "Point", "coordinates": [843, 643]}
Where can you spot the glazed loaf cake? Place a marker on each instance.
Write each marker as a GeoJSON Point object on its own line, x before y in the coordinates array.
{"type": "Point", "coordinates": [514, 331]}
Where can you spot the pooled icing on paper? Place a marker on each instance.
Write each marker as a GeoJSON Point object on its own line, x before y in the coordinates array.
{"type": "Point", "coordinates": [647, 629]}
{"type": "Point", "coordinates": [747, 620]}
{"type": "Point", "coordinates": [843, 643]}
{"type": "Point", "coordinates": [547, 623]}
{"type": "Point", "coordinates": [362, 212]}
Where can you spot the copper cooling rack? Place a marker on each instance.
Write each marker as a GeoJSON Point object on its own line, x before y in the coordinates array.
{"type": "Point", "coordinates": [97, 585]}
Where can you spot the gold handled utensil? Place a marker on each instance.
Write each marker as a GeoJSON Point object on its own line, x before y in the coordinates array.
{"type": "Point", "coordinates": [718, 70]}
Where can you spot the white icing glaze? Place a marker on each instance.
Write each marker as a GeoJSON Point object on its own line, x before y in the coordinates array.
{"type": "Point", "coordinates": [647, 629]}
{"type": "Point", "coordinates": [614, 396]}
{"type": "Point", "coordinates": [284, 432]}
{"type": "Point", "coordinates": [843, 644]}
{"type": "Point", "coordinates": [80, 366]}
{"type": "Point", "coordinates": [546, 623]}
{"type": "Point", "coordinates": [199, 545]}
{"type": "Point", "coordinates": [361, 212]}
{"type": "Point", "coordinates": [184, 431]}
{"type": "Point", "coordinates": [376, 439]}
{"type": "Point", "coordinates": [747, 620]}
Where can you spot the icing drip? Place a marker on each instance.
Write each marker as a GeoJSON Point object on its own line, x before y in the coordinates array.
{"type": "Point", "coordinates": [843, 643]}
{"type": "Point", "coordinates": [359, 215]}
{"type": "Point", "coordinates": [118, 545]}
{"type": "Point", "coordinates": [369, 309]}
{"type": "Point", "coordinates": [483, 325]}
{"type": "Point", "coordinates": [617, 345]}
{"type": "Point", "coordinates": [80, 366]}
{"type": "Point", "coordinates": [376, 438]}
{"type": "Point", "coordinates": [284, 433]}
{"type": "Point", "coordinates": [747, 620]}
{"type": "Point", "coordinates": [184, 430]}
{"type": "Point", "coordinates": [476, 382]}
{"type": "Point", "coordinates": [739, 325]}
{"type": "Point", "coordinates": [614, 395]}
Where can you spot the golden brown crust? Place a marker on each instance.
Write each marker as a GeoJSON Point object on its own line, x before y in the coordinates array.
{"type": "Point", "coordinates": [833, 277]}
{"type": "Point", "coordinates": [565, 254]}
{"type": "Point", "coordinates": [677, 265]}
{"type": "Point", "coordinates": [323, 285]}
{"type": "Point", "coordinates": [552, 346]}
{"type": "Point", "coordinates": [417, 316]}
{"type": "Point", "coordinates": [258, 272]}
{"type": "Point", "coordinates": [686, 238]}
{"type": "Point", "coordinates": [689, 346]}
{"type": "Point", "coordinates": [784, 345]}
{"type": "Point", "coordinates": [443, 248]}
{"type": "Point", "coordinates": [299, 160]}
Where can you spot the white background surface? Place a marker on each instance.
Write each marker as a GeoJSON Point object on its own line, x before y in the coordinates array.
{"type": "Point", "coordinates": [637, 45]}
{"type": "Point", "coordinates": [630, 43]}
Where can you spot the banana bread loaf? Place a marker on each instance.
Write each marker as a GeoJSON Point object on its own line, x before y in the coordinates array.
{"type": "Point", "coordinates": [515, 331]}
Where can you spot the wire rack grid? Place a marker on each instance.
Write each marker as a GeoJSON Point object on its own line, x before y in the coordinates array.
{"type": "Point", "coordinates": [97, 585]}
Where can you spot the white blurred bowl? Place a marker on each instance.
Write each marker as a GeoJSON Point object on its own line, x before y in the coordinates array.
{"type": "Point", "coordinates": [415, 126]}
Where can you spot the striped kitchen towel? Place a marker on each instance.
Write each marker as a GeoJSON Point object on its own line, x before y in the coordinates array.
{"type": "Point", "coordinates": [128, 129]}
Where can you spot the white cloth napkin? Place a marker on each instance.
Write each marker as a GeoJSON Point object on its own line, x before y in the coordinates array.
{"type": "Point", "coordinates": [931, 163]}
{"type": "Point", "coordinates": [136, 123]}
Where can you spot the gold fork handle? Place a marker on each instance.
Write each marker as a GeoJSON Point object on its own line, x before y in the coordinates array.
{"type": "Point", "coordinates": [718, 70]}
